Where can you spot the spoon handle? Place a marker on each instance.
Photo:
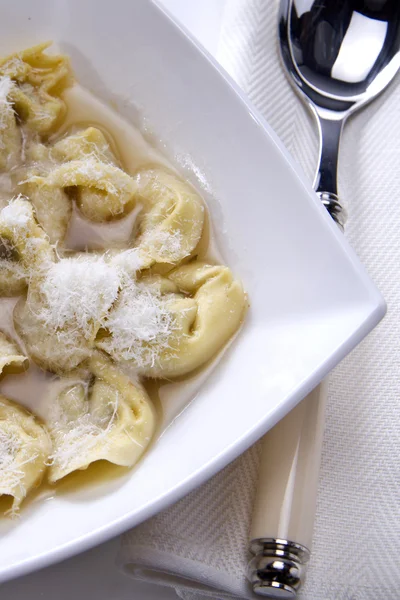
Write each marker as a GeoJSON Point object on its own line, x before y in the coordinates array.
{"type": "Point", "coordinates": [285, 504]}
{"type": "Point", "coordinates": [330, 126]}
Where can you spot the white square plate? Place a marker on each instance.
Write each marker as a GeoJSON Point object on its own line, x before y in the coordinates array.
{"type": "Point", "coordinates": [311, 300]}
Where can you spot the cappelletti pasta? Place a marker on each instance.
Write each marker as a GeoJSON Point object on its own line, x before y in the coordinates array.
{"type": "Point", "coordinates": [199, 307]}
{"type": "Point", "coordinates": [173, 217]}
{"type": "Point", "coordinates": [113, 420]}
{"type": "Point", "coordinates": [96, 325]}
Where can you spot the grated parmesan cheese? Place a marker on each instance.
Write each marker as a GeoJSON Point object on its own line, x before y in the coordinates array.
{"type": "Point", "coordinates": [11, 473]}
{"type": "Point", "coordinates": [168, 243]}
{"type": "Point", "coordinates": [16, 215]}
{"type": "Point", "coordinates": [139, 325]}
{"type": "Point", "coordinates": [79, 292]}
{"type": "Point", "coordinates": [127, 263]}
{"type": "Point", "coordinates": [6, 86]}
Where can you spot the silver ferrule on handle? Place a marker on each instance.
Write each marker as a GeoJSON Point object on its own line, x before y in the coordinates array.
{"type": "Point", "coordinates": [330, 126]}
{"type": "Point", "coordinates": [285, 503]}
{"type": "Point", "coordinates": [278, 567]}
{"type": "Point", "coordinates": [334, 208]}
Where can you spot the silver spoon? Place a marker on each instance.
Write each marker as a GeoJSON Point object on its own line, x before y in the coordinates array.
{"type": "Point", "coordinates": [339, 54]}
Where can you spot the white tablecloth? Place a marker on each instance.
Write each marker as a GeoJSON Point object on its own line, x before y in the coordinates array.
{"type": "Point", "coordinates": [357, 526]}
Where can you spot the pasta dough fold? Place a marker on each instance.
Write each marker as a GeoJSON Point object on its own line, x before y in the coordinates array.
{"type": "Point", "coordinates": [52, 205]}
{"type": "Point", "coordinates": [193, 315]}
{"type": "Point", "coordinates": [104, 192]}
{"type": "Point", "coordinates": [173, 217]}
{"type": "Point", "coordinates": [81, 166]}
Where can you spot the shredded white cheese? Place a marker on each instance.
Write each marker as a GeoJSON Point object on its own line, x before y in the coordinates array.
{"type": "Point", "coordinates": [16, 215]}
{"type": "Point", "coordinates": [5, 88]}
{"type": "Point", "coordinates": [78, 292]}
{"type": "Point", "coordinates": [127, 263]}
{"type": "Point", "coordinates": [167, 243]}
{"type": "Point", "coordinates": [140, 325]}
{"type": "Point", "coordinates": [11, 474]}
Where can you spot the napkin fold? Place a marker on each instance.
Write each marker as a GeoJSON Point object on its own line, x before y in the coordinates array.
{"type": "Point", "coordinates": [199, 545]}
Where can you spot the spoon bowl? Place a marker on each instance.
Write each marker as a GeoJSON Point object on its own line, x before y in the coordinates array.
{"type": "Point", "coordinates": [339, 54]}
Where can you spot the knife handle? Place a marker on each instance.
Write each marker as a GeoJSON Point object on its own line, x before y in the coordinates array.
{"type": "Point", "coordinates": [284, 510]}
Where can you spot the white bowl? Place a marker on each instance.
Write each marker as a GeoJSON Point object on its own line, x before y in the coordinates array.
{"type": "Point", "coordinates": [311, 300]}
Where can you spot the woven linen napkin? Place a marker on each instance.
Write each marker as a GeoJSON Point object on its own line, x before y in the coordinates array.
{"type": "Point", "coordinates": [199, 546]}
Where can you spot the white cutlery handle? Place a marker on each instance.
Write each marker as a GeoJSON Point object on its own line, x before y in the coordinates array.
{"type": "Point", "coordinates": [284, 510]}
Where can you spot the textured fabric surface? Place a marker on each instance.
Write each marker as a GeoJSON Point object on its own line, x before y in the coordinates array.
{"type": "Point", "coordinates": [357, 528]}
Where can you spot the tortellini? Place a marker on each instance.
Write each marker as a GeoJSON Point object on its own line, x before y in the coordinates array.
{"type": "Point", "coordinates": [182, 322]}
{"type": "Point", "coordinates": [173, 220]}
{"type": "Point", "coordinates": [25, 248]}
{"type": "Point", "coordinates": [104, 191]}
{"type": "Point", "coordinates": [38, 80]}
{"type": "Point", "coordinates": [24, 451]}
{"type": "Point", "coordinates": [84, 165]}
{"type": "Point", "coordinates": [113, 420]}
{"type": "Point", "coordinates": [44, 185]}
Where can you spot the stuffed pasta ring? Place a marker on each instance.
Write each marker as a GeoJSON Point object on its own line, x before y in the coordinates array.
{"type": "Point", "coordinates": [191, 316]}
{"type": "Point", "coordinates": [113, 421]}
{"type": "Point", "coordinates": [82, 163]}
{"type": "Point", "coordinates": [43, 183]}
{"type": "Point", "coordinates": [173, 217]}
